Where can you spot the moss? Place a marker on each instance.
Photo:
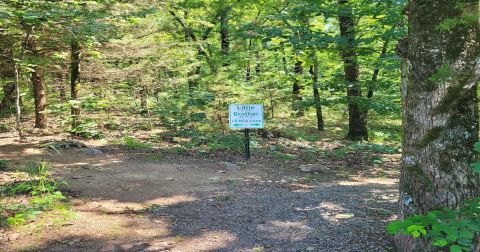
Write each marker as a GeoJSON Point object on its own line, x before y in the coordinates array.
{"type": "Point", "coordinates": [431, 136]}
{"type": "Point", "coordinates": [423, 180]}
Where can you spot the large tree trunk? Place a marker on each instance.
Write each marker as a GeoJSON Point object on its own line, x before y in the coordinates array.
{"type": "Point", "coordinates": [297, 88]}
{"type": "Point", "coordinates": [440, 115]}
{"type": "Point", "coordinates": [39, 94]}
{"type": "Point", "coordinates": [316, 96]}
{"type": "Point", "coordinates": [357, 123]}
{"type": "Point", "coordinates": [74, 80]}
{"type": "Point", "coordinates": [7, 71]}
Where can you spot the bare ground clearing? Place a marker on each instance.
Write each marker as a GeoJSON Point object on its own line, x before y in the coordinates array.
{"type": "Point", "coordinates": [155, 201]}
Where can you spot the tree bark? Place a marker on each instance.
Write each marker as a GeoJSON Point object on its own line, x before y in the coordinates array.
{"type": "Point", "coordinates": [297, 88]}
{"type": "Point", "coordinates": [39, 94]}
{"type": "Point", "coordinates": [224, 36]}
{"type": "Point", "coordinates": [7, 71]}
{"type": "Point", "coordinates": [357, 123]}
{"type": "Point", "coordinates": [440, 116]}
{"type": "Point", "coordinates": [75, 80]}
{"type": "Point", "coordinates": [316, 97]}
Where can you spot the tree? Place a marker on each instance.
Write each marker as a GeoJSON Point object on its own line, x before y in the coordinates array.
{"type": "Point", "coordinates": [7, 70]}
{"type": "Point", "coordinates": [440, 72]}
{"type": "Point", "coordinates": [357, 123]}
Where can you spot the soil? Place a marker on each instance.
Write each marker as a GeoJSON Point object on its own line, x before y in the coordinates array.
{"type": "Point", "coordinates": [152, 200]}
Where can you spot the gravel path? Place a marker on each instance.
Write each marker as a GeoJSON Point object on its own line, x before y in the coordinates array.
{"type": "Point", "coordinates": [272, 218]}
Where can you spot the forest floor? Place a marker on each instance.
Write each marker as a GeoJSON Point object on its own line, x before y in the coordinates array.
{"type": "Point", "coordinates": [125, 199]}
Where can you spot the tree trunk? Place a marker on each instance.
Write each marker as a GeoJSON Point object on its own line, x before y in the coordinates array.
{"type": "Point", "coordinates": [316, 96]}
{"type": "Point", "coordinates": [39, 94]}
{"type": "Point", "coordinates": [18, 117]}
{"type": "Point", "coordinates": [224, 36]}
{"type": "Point", "coordinates": [297, 88]}
{"type": "Point", "coordinates": [440, 116]}
{"type": "Point", "coordinates": [377, 70]}
{"type": "Point", "coordinates": [7, 71]}
{"type": "Point", "coordinates": [357, 123]}
{"type": "Point", "coordinates": [75, 80]}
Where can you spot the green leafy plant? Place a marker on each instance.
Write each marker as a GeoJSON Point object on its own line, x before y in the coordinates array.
{"type": "Point", "coordinates": [454, 228]}
{"type": "Point", "coordinates": [87, 129]}
{"type": "Point", "coordinates": [131, 142]}
{"type": "Point", "coordinates": [44, 196]}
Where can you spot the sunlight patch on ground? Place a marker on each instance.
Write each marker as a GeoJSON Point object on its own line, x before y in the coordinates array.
{"type": "Point", "coordinates": [367, 181]}
{"type": "Point", "coordinates": [286, 230]}
{"type": "Point", "coordinates": [208, 241]}
{"type": "Point", "coordinates": [115, 206]}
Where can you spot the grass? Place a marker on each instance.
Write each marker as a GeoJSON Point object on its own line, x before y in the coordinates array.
{"type": "Point", "coordinates": [25, 201]}
{"type": "Point", "coordinates": [132, 143]}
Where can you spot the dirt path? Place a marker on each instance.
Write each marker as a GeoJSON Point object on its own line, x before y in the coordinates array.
{"type": "Point", "coordinates": [129, 201]}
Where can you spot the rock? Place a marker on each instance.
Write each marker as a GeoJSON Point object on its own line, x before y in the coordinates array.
{"type": "Point", "coordinates": [92, 151]}
{"type": "Point", "coordinates": [314, 168]}
{"type": "Point", "coordinates": [231, 166]}
{"type": "Point", "coordinates": [306, 168]}
{"type": "Point", "coordinates": [13, 237]}
{"type": "Point", "coordinates": [310, 249]}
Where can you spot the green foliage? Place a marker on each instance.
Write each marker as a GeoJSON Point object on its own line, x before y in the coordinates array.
{"type": "Point", "coordinates": [454, 228]}
{"type": "Point", "coordinates": [3, 164]}
{"type": "Point", "coordinates": [131, 142]}
{"type": "Point", "coordinates": [88, 129]}
{"type": "Point", "coordinates": [44, 196]}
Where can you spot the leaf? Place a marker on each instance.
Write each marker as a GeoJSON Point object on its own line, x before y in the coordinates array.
{"type": "Point", "coordinates": [456, 248]}
{"type": "Point", "coordinates": [440, 243]}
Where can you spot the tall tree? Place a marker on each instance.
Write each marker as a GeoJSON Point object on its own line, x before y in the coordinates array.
{"type": "Point", "coordinates": [7, 70]}
{"type": "Point", "coordinates": [357, 124]}
{"type": "Point", "coordinates": [39, 92]}
{"type": "Point", "coordinates": [297, 89]}
{"type": "Point", "coordinates": [440, 73]}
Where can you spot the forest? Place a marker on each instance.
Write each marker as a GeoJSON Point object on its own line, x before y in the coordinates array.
{"type": "Point", "coordinates": [116, 135]}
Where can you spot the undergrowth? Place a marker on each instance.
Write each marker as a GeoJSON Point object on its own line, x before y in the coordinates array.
{"type": "Point", "coordinates": [24, 201]}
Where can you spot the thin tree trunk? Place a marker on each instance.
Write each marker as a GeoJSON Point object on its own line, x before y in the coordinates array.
{"type": "Point", "coordinates": [297, 88]}
{"type": "Point", "coordinates": [316, 96]}
{"type": "Point", "coordinates": [357, 123]}
{"type": "Point", "coordinates": [224, 36]}
{"type": "Point", "coordinates": [75, 80]}
{"type": "Point", "coordinates": [440, 116]}
{"type": "Point", "coordinates": [39, 94]}
{"type": "Point", "coordinates": [7, 71]}
{"type": "Point", "coordinates": [377, 70]}
{"type": "Point", "coordinates": [18, 118]}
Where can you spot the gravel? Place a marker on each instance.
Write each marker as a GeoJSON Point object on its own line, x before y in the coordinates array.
{"type": "Point", "coordinates": [271, 217]}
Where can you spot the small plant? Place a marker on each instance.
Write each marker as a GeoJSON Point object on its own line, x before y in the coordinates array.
{"type": "Point", "coordinates": [222, 197]}
{"type": "Point", "coordinates": [340, 153]}
{"type": "Point", "coordinates": [288, 157]}
{"type": "Point", "coordinates": [131, 142]}
{"type": "Point", "coordinates": [44, 196]}
{"type": "Point", "coordinates": [87, 129]}
{"type": "Point", "coordinates": [3, 164]}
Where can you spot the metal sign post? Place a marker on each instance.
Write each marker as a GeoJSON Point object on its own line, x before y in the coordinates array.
{"type": "Point", "coordinates": [246, 116]}
{"type": "Point", "coordinates": [247, 143]}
